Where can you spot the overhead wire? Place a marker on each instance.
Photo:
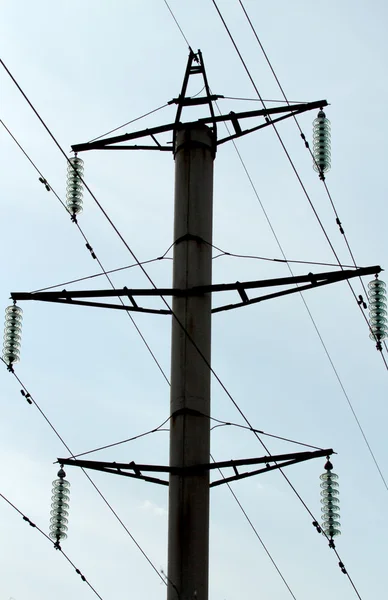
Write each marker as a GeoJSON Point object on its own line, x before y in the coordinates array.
{"type": "Point", "coordinates": [264, 100]}
{"type": "Point", "coordinates": [164, 257]}
{"type": "Point", "coordinates": [31, 400]}
{"type": "Point", "coordinates": [328, 355]}
{"type": "Point", "coordinates": [146, 274]}
{"type": "Point", "coordinates": [220, 423]}
{"type": "Point", "coordinates": [293, 167]}
{"type": "Point", "coordinates": [163, 299]}
{"type": "Point", "coordinates": [277, 437]}
{"type": "Point", "coordinates": [351, 253]}
{"type": "Point", "coordinates": [54, 544]}
{"type": "Point", "coordinates": [307, 145]}
{"type": "Point", "coordinates": [131, 439]}
{"type": "Point", "coordinates": [256, 532]}
{"type": "Point", "coordinates": [93, 254]}
{"type": "Point", "coordinates": [177, 24]}
{"type": "Point", "coordinates": [304, 301]}
{"type": "Point", "coordinates": [150, 112]}
{"type": "Point", "coordinates": [237, 407]}
{"type": "Point", "coordinates": [331, 545]}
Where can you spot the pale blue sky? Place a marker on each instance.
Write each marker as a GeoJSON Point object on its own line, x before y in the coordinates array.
{"type": "Point", "coordinates": [87, 68]}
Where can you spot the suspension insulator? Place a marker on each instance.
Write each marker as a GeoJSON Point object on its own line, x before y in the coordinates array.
{"type": "Point", "coordinates": [321, 143]}
{"type": "Point", "coordinates": [377, 310]}
{"type": "Point", "coordinates": [74, 190]}
{"type": "Point", "coordinates": [59, 507]}
{"type": "Point", "coordinates": [330, 502]}
{"type": "Point", "coordinates": [12, 334]}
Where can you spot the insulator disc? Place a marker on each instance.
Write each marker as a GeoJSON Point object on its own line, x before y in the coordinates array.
{"type": "Point", "coordinates": [330, 500]}
{"type": "Point", "coordinates": [378, 310]}
{"type": "Point", "coordinates": [60, 506]}
{"type": "Point", "coordinates": [377, 283]}
{"type": "Point", "coordinates": [329, 486]}
{"type": "Point", "coordinates": [57, 535]}
{"type": "Point", "coordinates": [59, 511]}
{"type": "Point", "coordinates": [61, 483]}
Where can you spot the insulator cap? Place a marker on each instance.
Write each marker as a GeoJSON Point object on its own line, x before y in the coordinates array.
{"type": "Point", "coordinates": [74, 188]}
{"type": "Point", "coordinates": [378, 321]}
{"type": "Point", "coordinates": [321, 143]}
{"type": "Point", "coordinates": [12, 334]}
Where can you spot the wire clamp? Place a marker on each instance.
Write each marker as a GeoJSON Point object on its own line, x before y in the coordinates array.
{"type": "Point", "coordinates": [27, 396]}
{"type": "Point", "coordinates": [317, 526]}
{"type": "Point", "coordinates": [46, 185]}
{"type": "Point", "coordinates": [91, 250]}
{"type": "Point", "coordinates": [340, 226]}
{"type": "Point", "coordinates": [342, 567]}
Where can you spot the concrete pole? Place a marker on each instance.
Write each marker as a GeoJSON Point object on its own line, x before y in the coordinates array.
{"type": "Point", "coordinates": [188, 524]}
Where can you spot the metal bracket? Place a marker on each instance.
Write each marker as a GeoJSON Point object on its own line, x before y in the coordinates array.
{"type": "Point", "coordinates": [310, 280]}
{"type": "Point", "coordinates": [136, 471]}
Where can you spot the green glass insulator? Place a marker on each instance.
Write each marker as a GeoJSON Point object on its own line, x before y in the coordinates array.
{"type": "Point", "coordinates": [378, 321]}
{"type": "Point", "coordinates": [59, 507]}
{"type": "Point", "coordinates": [330, 502]}
{"type": "Point", "coordinates": [321, 143]}
{"type": "Point", "coordinates": [12, 334]}
{"type": "Point", "coordinates": [74, 188]}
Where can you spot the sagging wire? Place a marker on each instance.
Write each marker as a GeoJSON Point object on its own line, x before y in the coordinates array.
{"type": "Point", "coordinates": [87, 243]}
{"type": "Point", "coordinates": [29, 398]}
{"type": "Point", "coordinates": [307, 145]}
{"type": "Point", "coordinates": [56, 546]}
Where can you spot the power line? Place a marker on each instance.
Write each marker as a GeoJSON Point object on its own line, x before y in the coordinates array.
{"type": "Point", "coordinates": [28, 395]}
{"type": "Point", "coordinates": [309, 312]}
{"type": "Point", "coordinates": [89, 247]}
{"type": "Point", "coordinates": [347, 243]}
{"type": "Point", "coordinates": [165, 302]}
{"type": "Point", "coordinates": [177, 24]}
{"type": "Point", "coordinates": [307, 145]}
{"type": "Point", "coordinates": [131, 439]}
{"type": "Point", "coordinates": [264, 100]}
{"type": "Point", "coordinates": [54, 544]}
{"type": "Point", "coordinates": [277, 437]}
{"type": "Point", "coordinates": [31, 400]}
{"type": "Point", "coordinates": [256, 533]}
{"type": "Point", "coordinates": [292, 165]}
{"type": "Point", "coordinates": [129, 122]}
{"type": "Point", "coordinates": [164, 257]}
{"type": "Point", "coordinates": [311, 317]}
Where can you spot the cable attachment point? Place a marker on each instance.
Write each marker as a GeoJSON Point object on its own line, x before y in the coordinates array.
{"type": "Point", "coordinates": [361, 302]}
{"type": "Point", "coordinates": [46, 185]}
{"type": "Point", "coordinates": [317, 526]}
{"type": "Point", "coordinates": [80, 574]}
{"type": "Point", "coordinates": [91, 251]}
{"type": "Point", "coordinates": [340, 226]}
{"type": "Point", "coordinates": [27, 396]}
{"type": "Point", "coordinates": [28, 521]}
{"type": "Point", "coordinates": [342, 567]}
{"type": "Point", "coordinates": [302, 135]}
